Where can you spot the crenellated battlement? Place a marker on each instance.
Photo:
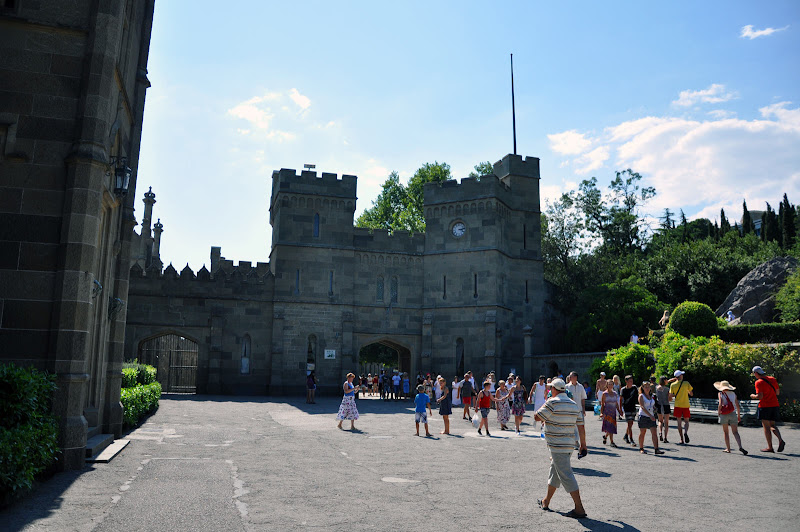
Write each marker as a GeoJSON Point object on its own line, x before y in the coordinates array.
{"type": "Point", "coordinates": [467, 189]}
{"type": "Point", "coordinates": [226, 271]}
{"type": "Point", "coordinates": [515, 165]}
{"type": "Point", "coordinates": [287, 180]}
{"type": "Point", "coordinates": [380, 240]}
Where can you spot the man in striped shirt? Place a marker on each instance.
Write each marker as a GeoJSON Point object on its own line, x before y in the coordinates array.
{"type": "Point", "coordinates": [560, 416]}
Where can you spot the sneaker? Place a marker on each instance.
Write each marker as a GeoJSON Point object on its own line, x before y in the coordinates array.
{"type": "Point", "coordinates": [479, 432]}
{"type": "Point", "coordinates": [781, 446]}
{"type": "Point", "coordinates": [625, 439]}
{"type": "Point", "coordinates": [541, 435]}
{"type": "Point", "coordinates": [582, 453]}
{"type": "Point", "coordinates": [660, 437]}
{"type": "Point", "coordinates": [743, 451]}
{"type": "Point", "coordinates": [686, 437]}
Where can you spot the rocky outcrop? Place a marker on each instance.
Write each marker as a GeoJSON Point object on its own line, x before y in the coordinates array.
{"type": "Point", "coordinates": [753, 299]}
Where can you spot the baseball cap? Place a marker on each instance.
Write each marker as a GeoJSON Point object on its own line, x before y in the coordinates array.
{"type": "Point", "coordinates": [757, 369]}
{"type": "Point", "coordinates": [558, 384]}
{"type": "Point", "coordinates": [603, 373]}
{"type": "Point", "coordinates": [678, 373]}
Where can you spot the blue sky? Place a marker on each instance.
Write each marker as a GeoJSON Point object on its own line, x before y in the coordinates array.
{"type": "Point", "coordinates": [701, 98]}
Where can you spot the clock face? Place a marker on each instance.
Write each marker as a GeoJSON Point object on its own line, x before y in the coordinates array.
{"type": "Point", "coordinates": [459, 229]}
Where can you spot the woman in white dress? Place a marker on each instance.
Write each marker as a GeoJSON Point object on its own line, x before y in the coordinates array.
{"type": "Point", "coordinates": [455, 391]}
{"type": "Point", "coordinates": [538, 393]}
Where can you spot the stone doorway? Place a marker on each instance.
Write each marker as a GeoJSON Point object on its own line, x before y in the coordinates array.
{"type": "Point", "coordinates": [384, 354]}
{"type": "Point", "coordinates": [175, 358]}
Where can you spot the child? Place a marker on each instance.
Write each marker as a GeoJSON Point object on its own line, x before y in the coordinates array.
{"type": "Point", "coordinates": [484, 405]}
{"type": "Point", "coordinates": [422, 401]}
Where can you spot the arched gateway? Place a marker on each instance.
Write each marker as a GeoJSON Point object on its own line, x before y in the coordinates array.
{"type": "Point", "coordinates": [467, 294]}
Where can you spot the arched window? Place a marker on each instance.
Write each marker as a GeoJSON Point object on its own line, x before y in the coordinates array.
{"type": "Point", "coordinates": [245, 365]}
{"type": "Point", "coordinates": [393, 289]}
{"type": "Point", "coordinates": [379, 290]}
{"type": "Point", "coordinates": [316, 225]}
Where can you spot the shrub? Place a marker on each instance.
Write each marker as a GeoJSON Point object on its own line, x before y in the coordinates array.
{"type": "Point", "coordinates": [787, 300]}
{"type": "Point", "coordinates": [134, 373]}
{"type": "Point", "coordinates": [707, 360]}
{"type": "Point", "coordinates": [138, 401]}
{"type": "Point", "coordinates": [631, 359]}
{"type": "Point", "coordinates": [790, 410]}
{"type": "Point", "coordinates": [691, 318]}
{"type": "Point", "coordinates": [28, 430]}
{"type": "Point", "coordinates": [766, 333]}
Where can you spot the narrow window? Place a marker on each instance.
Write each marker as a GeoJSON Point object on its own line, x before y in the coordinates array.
{"type": "Point", "coordinates": [297, 281]}
{"type": "Point", "coordinates": [245, 365]}
{"type": "Point", "coordinates": [475, 294]}
{"type": "Point", "coordinates": [459, 356]}
{"type": "Point", "coordinates": [444, 287]}
{"type": "Point", "coordinates": [393, 289]}
{"type": "Point", "coordinates": [526, 292]}
{"type": "Point", "coordinates": [316, 225]}
{"type": "Point", "coordinates": [330, 284]}
{"type": "Point", "coordinates": [379, 290]}
{"type": "Point", "coordinates": [524, 237]}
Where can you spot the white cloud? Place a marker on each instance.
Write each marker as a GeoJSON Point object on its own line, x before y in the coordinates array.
{"type": "Point", "coordinates": [302, 101]}
{"type": "Point", "coordinates": [704, 165]}
{"type": "Point", "coordinates": [716, 93]}
{"type": "Point", "coordinates": [721, 114]}
{"type": "Point", "coordinates": [749, 33]}
{"type": "Point", "coordinates": [569, 142]}
{"type": "Point", "coordinates": [592, 160]}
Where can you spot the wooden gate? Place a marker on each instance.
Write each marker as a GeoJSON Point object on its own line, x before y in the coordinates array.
{"type": "Point", "coordinates": [175, 357]}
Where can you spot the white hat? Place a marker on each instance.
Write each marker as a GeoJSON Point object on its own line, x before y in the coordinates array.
{"type": "Point", "coordinates": [558, 384]}
{"type": "Point", "coordinates": [678, 373]}
{"type": "Point", "coordinates": [757, 369]}
{"type": "Point", "coordinates": [603, 373]}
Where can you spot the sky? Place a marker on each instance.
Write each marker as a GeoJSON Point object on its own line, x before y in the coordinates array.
{"type": "Point", "coordinates": [701, 98]}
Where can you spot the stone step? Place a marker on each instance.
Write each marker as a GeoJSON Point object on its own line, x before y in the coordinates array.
{"type": "Point", "coordinates": [109, 452]}
{"type": "Point", "coordinates": [96, 444]}
{"type": "Point", "coordinates": [92, 432]}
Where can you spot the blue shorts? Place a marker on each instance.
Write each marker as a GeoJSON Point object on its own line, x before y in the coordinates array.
{"type": "Point", "coordinates": [485, 412]}
{"type": "Point", "coordinates": [421, 417]}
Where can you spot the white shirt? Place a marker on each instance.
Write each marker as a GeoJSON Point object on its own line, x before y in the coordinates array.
{"type": "Point", "coordinates": [578, 392]}
{"type": "Point", "coordinates": [539, 393]}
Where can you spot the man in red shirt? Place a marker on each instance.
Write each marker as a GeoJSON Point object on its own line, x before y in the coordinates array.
{"type": "Point", "coordinates": [767, 390]}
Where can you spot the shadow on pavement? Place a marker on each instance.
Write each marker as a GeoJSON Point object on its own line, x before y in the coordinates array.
{"type": "Point", "coordinates": [45, 500]}
{"type": "Point", "coordinates": [593, 524]}
{"type": "Point", "coordinates": [590, 472]}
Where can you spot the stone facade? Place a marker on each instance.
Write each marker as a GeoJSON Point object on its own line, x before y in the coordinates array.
{"type": "Point", "coordinates": [72, 88]}
{"type": "Point", "coordinates": [467, 294]}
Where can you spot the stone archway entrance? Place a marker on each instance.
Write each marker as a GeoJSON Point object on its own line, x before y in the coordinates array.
{"type": "Point", "coordinates": [384, 354]}
{"type": "Point", "coordinates": [175, 358]}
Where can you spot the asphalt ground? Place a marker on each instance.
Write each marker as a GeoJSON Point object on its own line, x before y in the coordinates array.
{"type": "Point", "coordinates": [215, 463]}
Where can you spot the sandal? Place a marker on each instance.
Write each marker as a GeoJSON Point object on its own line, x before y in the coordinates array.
{"type": "Point", "coordinates": [781, 446]}
{"type": "Point", "coordinates": [767, 450]}
{"type": "Point", "coordinates": [604, 439]}
{"type": "Point", "coordinates": [726, 451]}
{"type": "Point", "coordinates": [575, 515]}
{"type": "Point", "coordinates": [614, 445]}
{"type": "Point", "coordinates": [642, 451]}
{"type": "Point", "coordinates": [542, 506]}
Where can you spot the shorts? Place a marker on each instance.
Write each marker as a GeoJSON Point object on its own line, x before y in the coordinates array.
{"type": "Point", "coordinates": [630, 416]}
{"type": "Point", "coordinates": [768, 413]}
{"type": "Point", "coordinates": [646, 423]}
{"type": "Point", "coordinates": [485, 412]}
{"type": "Point", "coordinates": [421, 417]}
{"type": "Point", "coordinates": [663, 409]}
{"type": "Point", "coordinates": [561, 472]}
{"type": "Point", "coordinates": [680, 412]}
{"type": "Point", "coordinates": [466, 400]}
{"type": "Point", "coordinates": [580, 419]}
{"type": "Point", "coordinates": [729, 419]}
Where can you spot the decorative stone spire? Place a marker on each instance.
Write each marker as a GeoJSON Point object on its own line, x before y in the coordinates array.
{"type": "Point", "coordinates": [158, 228]}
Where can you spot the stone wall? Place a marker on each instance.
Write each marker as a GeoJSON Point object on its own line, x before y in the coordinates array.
{"type": "Point", "coordinates": [73, 78]}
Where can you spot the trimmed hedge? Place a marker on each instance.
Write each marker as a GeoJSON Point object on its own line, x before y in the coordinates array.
{"type": "Point", "coordinates": [134, 373]}
{"type": "Point", "coordinates": [691, 318]}
{"type": "Point", "coordinates": [28, 429]}
{"type": "Point", "coordinates": [761, 333]}
{"type": "Point", "coordinates": [139, 401]}
{"type": "Point", "coordinates": [631, 359]}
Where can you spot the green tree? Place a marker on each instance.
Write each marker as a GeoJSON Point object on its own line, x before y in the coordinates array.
{"type": "Point", "coordinates": [667, 221]}
{"type": "Point", "coordinates": [617, 223]}
{"type": "Point", "coordinates": [747, 223]}
{"type": "Point", "coordinates": [724, 224]}
{"type": "Point", "coordinates": [562, 226]}
{"type": "Point", "coordinates": [787, 300]}
{"type": "Point", "coordinates": [788, 218]}
{"type": "Point", "coordinates": [482, 169]}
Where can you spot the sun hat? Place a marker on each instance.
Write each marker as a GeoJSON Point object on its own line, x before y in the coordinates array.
{"type": "Point", "coordinates": [723, 385]}
{"type": "Point", "coordinates": [558, 384]}
{"type": "Point", "coordinates": [757, 369]}
{"type": "Point", "coordinates": [678, 373]}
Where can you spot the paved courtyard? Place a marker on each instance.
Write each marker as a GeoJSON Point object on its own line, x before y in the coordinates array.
{"type": "Point", "coordinates": [230, 463]}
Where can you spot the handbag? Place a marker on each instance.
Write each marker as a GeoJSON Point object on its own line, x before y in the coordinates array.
{"type": "Point", "coordinates": [726, 407]}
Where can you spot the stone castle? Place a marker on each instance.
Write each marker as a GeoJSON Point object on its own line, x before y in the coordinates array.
{"type": "Point", "coordinates": [466, 294]}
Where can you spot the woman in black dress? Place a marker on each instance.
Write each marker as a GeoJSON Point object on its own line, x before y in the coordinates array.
{"type": "Point", "coordinates": [445, 405]}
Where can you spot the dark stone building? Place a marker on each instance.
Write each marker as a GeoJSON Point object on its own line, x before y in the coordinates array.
{"type": "Point", "coordinates": [73, 79]}
{"type": "Point", "coordinates": [467, 294]}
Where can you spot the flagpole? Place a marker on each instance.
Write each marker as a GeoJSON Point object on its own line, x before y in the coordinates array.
{"type": "Point", "coordinates": [513, 109]}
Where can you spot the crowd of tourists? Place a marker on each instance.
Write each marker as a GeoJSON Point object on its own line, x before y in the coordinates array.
{"type": "Point", "coordinates": [559, 409]}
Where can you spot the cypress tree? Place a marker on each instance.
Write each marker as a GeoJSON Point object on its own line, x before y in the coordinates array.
{"type": "Point", "coordinates": [724, 225]}
{"type": "Point", "coordinates": [788, 227]}
{"type": "Point", "coordinates": [747, 223]}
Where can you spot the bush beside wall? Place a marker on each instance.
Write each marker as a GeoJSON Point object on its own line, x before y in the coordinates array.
{"type": "Point", "coordinates": [28, 429]}
{"type": "Point", "coordinates": [138, 401]}
{"type": "Point", "coordinates": [761, 333]}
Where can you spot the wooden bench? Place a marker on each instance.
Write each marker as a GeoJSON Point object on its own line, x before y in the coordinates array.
{"type": "Point", "coordinates": [706, 409]}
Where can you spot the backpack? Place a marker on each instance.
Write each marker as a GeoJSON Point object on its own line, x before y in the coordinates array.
{"type": "Point", "coordinates": [726, 406]}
